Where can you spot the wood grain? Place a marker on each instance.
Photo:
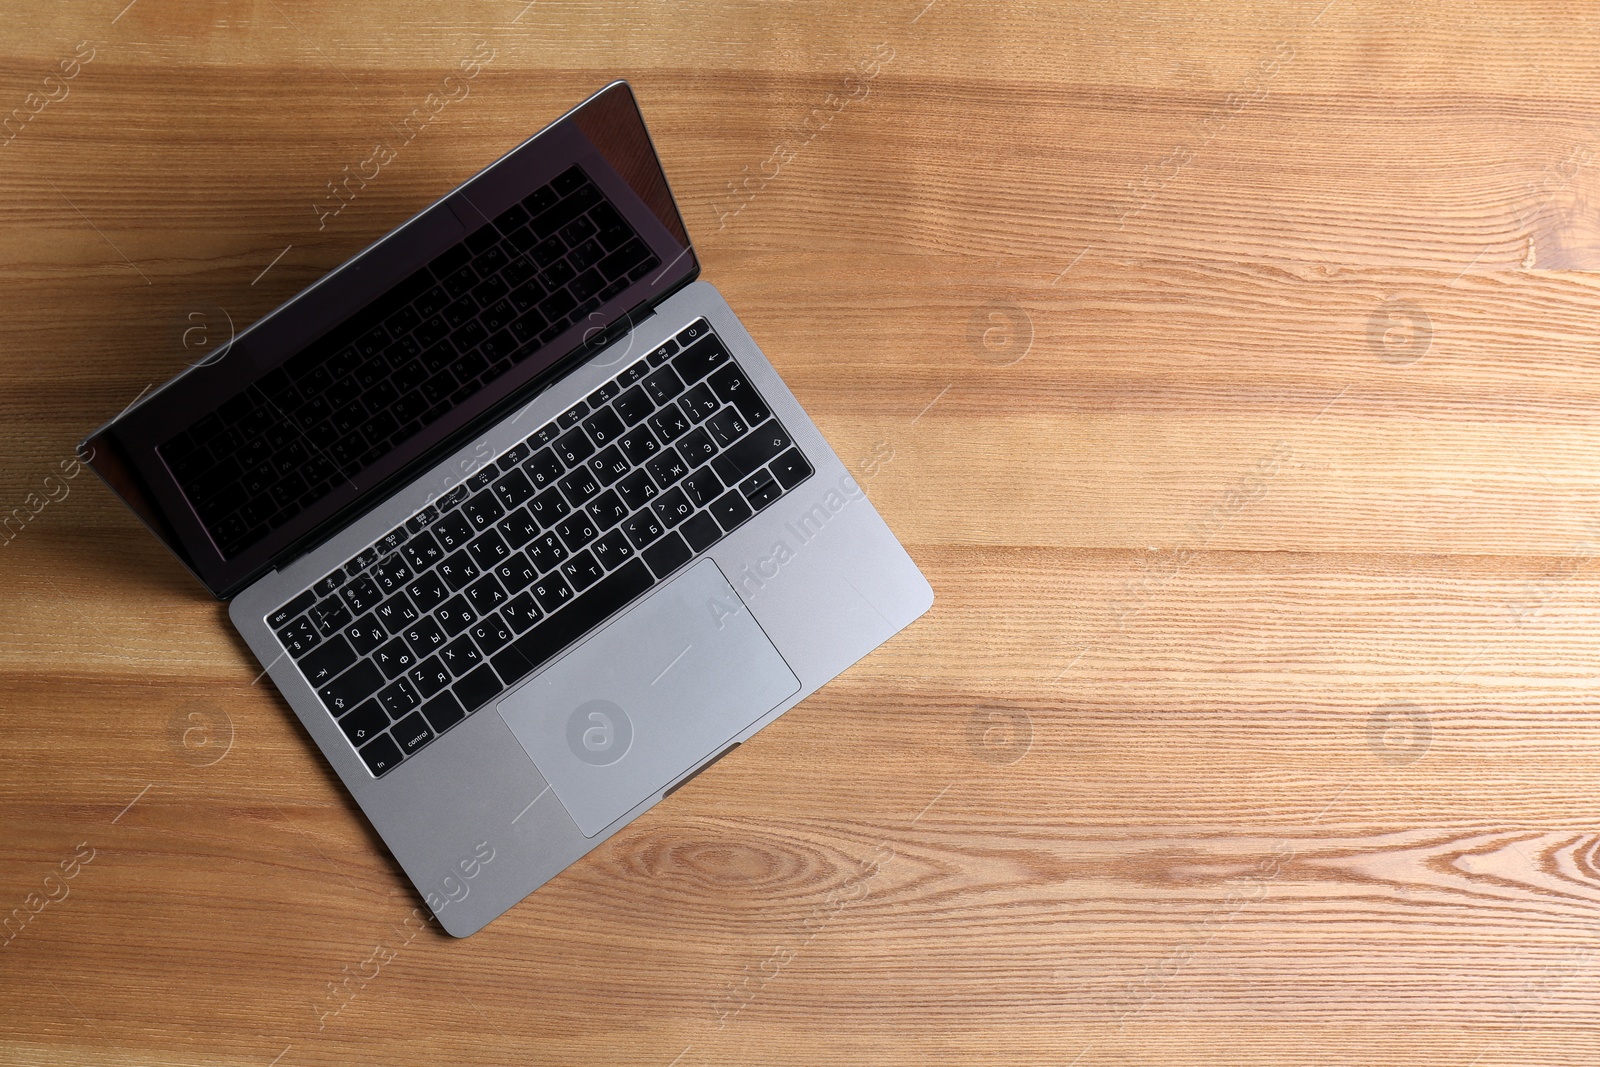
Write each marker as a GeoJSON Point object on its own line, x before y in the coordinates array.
{"type": "Point", "coordinates": [1230, 371]}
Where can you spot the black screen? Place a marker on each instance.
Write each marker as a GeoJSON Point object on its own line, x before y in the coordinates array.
{"type": "Point", "coordinates": [405, 349]}
{"type": "Point", "coordinates": [377, 383]}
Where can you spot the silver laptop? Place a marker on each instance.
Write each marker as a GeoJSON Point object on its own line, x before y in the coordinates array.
{"type": "Point", "coordinates": [515, 513]}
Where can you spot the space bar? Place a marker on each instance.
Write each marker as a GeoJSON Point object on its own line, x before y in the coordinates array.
{"type": "Point", "coordinates": [534, 648]}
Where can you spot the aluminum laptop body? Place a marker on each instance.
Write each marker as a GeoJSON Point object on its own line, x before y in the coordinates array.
{"type": "Point", "coordinates": [517, 516]}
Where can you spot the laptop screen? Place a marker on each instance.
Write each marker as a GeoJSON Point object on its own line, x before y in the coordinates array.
{"type": "Point", "coordinates": [309, 416]}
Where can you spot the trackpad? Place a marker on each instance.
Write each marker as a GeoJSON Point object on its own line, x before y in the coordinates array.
{"type": "Point", "coordinates": [654, 694]}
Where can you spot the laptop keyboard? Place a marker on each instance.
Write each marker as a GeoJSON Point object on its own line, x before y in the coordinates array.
{"type": "Point", "coordinates": [425, 346]}
{"type": "Point", "coordinates": [446, 611]}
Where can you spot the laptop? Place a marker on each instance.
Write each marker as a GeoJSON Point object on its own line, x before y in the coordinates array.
{"type": "Point", "coordinates": [517, 516]}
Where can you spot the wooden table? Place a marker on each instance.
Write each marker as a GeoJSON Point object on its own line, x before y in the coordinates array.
{"type": "Point", "coordinates": [1230, 370]}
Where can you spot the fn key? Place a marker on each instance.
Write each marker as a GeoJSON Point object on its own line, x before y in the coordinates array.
{"type": "Point", "coordinates": [381, 755]}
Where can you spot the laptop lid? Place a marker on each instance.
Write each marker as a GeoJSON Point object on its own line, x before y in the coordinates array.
{"type": "Point", "coordinates": [397, 357]}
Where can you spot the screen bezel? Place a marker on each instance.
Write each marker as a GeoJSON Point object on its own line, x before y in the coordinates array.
{"type": "Point", "coordinates": [124, 452]}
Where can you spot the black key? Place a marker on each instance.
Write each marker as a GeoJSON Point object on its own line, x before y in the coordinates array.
{"type": "Point", "coordinates": [667, 469]}
{"type": "Point", "coordinates": [662, 354]}
{"type": "Point", "coordinates": [364, 723]}
{"type": "Point", "coordinates": [422, 520]}
{"type": "Point", "coordinates": [511, 218]}
{"type": "Point", "coordinates": [727, 426]}
{"type": "Point", "coordinates": [667, 555]}
{"type": "Point", "coordinates": [700, 359]}
{"type": "Point", "coordinates": [663, 385]}
{"type": "Point", "coordinates": [542, 642]}
{"type": "Point", "coordinates": [381, 755]}
{"type": "Point", "coordinates": [454, 615]}
{"type": "Point", "coordinates": [292, 608]}
{"type": "Point", "coordinates": [366, 634]}
{"type": "Point", "coordinates": [613, 231]}
{"type": "Point", "coordinates": [322, 664]}
{"type": "Point", "coordinates": [459, 570]}
{"type": "Point", "coordinates": [516, 573]}
{"type": "Point", "coordinates": [329, 584]}
{"type": "Point", "coordinates": [490, 289]}
{"type": "Point", "coordinates": [392, 540]}
{"type": "Point", "coordinates": [730, 510]}
{"type": "Point", "coordinates": [614, 549]}
{"type": "Point", "coordinates": [579, 486]}
{"type": "Point", "coordinates": [559, 304]}
{"type": "Point", "coordinates": [699, 402]}
{"type": "Point", "coordinates": [481, 479]}
{"type": "Point", "coordinates": [608, 465]}
{"type": "Point", "coordinates": [701, 531]}
{"type": "Point", "coordinates": [544, 468]}
{"type": "Point", "coordinates": [391, 574]}
{"type": "Point", "coordinates": [672, 507]}
{"type": "Point", "coordinates": [702, 487]}
{"type": "Point", "coordinates": [453, 531]}
{"type": "Point", "coordinates": [514, 489]}
{"type": "Point", "coordinates": [412, 733]}
{"type": "Point", "coordinates": [583, 257]}
{"type": "Point", "coordinates": [634, 405]}
{"type": "Point", "coordinates": [443, 712]}
{"type": "Point", "coordinates": [489, 550]}
{"type": "Point", "coordinates": [351, 688]}
{"type": "Point", "coordinates": [394, 659]}
{"type": "Point", "coordinates": [424, 636]}
{"type": "Point", "coordinates": [299, 637]}
{"type": "Point", "coordinates": [582, 571]}
{"type": "Point", "coordinates": [643, 528]}
{"type": "Point", "coordinates": [485, 594]}
{"type": "Point", "coordinates": [491, 634]}
{"type": "Point", "coordinates": [791, 468]}
{"type": "Point", "coordinates": [423, 552]}
{"type": "Point", "coordinates": [459, 281]}
{"type": "Point", "coordinates": [549, 507]}
{"type": "Point", "coordinates": [429, 677]}
{"type": "Point", "coordinates": [756, 481]}
{"type": "Point", "coordinates": [478, 688]}
{"type": "Point", "coordinates": [482, 511]}
{"type": "Point", "coordinates": [607, 510]}
{"type": "Point", "coordinates": [693, 332]}
{"type": "Point", "coordinates": [762, 444]}
{"type": "Point", "coordinates": [633, 258]}
{"type": "Point", "coordinates": [761, 489]}
{"type": "Point", "coordinates": [518, 528]}
{"type": "Point", "coordinates": [551, 592]}
{"type": "Point", "coordinates": [603, 426]}
{"type": "Point", "coordinates": [639, 444]}
{"type": "Point", "coordinates": [521, 612]}
{"type": "Point", "coordinates": [330, 615]}
{"type": "Point", "coordinates": [577, 530]}
{"type": "Point", "coordinates": [669, 423]}
{"type": "Point", "coordinates": [574, 447]}
{"type": "Point", "coordinates": [573, 415]}
{"type": "Point", "coordinates": [636, 490]}
{"type": "Point", "coordinates": [731, 385]}
{"type": "Point", "coordinates": [363, 559]}
{"type": "Point", "coordinates": [546, 551]}
{"type": "Point", "coordinates": [399, 697]}
{"type": "Point", "coordinates": [427, 592]}
{"type": "Point", "coordinates": [696, 447]}
{"type": "Point", "coordinates": [396, 613]}
{"type": "Point", "coordinates": [361, 595]}
{"type": "Point", "coordinates": [460, 655]}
